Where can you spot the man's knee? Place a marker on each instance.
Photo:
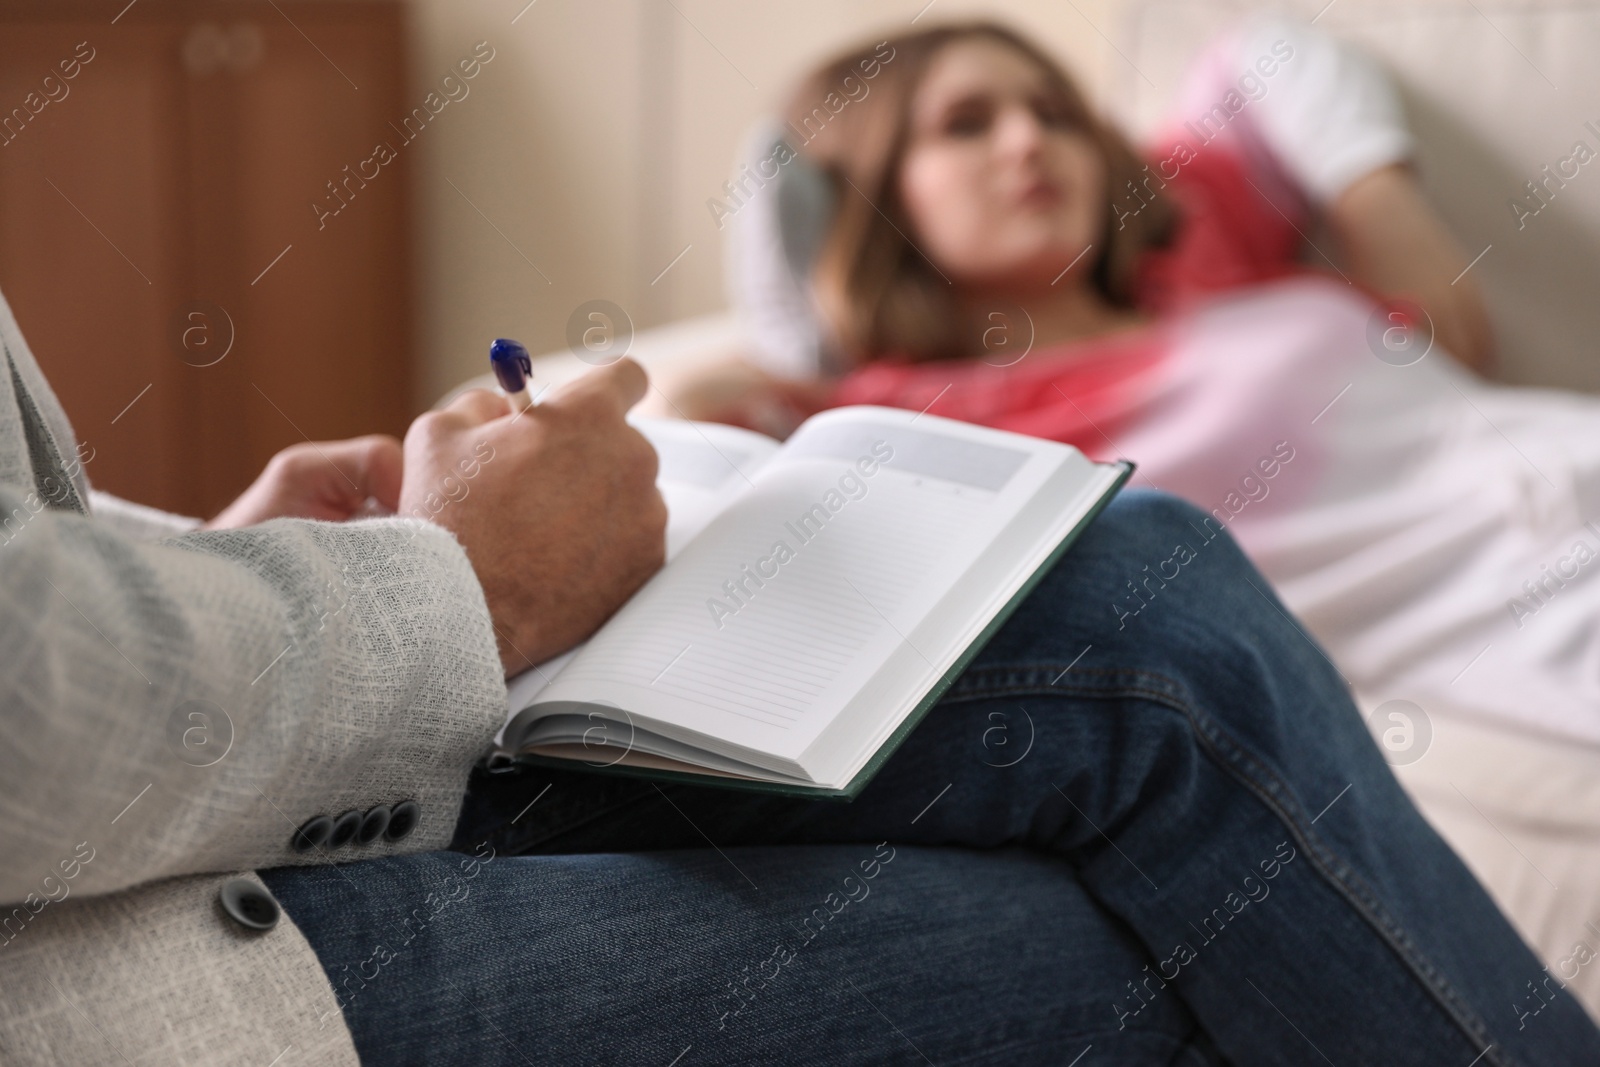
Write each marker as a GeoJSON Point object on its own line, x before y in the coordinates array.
{"type": "Point", "coordinates": [1155, 551]}
{"type": "Point", "coordinates": [1148, 506]}
{"type": "Point", "coordinates": [1146, 526]}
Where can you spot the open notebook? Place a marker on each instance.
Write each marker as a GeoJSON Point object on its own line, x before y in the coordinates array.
{"type": "Point", "coordinates": [819, 596]}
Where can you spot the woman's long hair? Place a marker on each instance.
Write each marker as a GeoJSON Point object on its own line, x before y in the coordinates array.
{"type": "Point", "coordinates": [877, 293]}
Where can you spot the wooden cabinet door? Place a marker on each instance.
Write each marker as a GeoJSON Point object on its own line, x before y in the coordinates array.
{"type": "Point", "coordinates": [90, 233]}
{"type": "Point", "coordinates": [159, 246]}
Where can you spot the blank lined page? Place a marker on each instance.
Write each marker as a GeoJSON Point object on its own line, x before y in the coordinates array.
{"type": "Point", "coordinates": [782, 608]}
{"type": "Point", "coordinates": [702, 467]}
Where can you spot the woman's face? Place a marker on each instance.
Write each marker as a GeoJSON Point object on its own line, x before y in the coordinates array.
{"type": "Point", "coordinates": [1003, 187]}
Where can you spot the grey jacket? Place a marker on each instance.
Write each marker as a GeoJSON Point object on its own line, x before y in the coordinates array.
{"type": "Point", "coordinates": [174, 703]}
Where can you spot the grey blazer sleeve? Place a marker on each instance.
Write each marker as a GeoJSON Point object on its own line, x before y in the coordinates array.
{"type": "Point", "coordinates": [180, 706]}
{"type": "Point", "coordinates": [177, 701]}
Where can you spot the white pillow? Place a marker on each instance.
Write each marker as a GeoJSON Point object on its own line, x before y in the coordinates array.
{"type": "Point", "coordinates": [773, 227]}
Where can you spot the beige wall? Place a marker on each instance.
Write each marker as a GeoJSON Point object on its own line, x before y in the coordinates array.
{"type": "Point", "coordinates": [594, 138]}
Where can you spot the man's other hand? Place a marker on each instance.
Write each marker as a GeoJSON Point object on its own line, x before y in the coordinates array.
{"type": "Point", "coordinates": [328, 480]}
{"type": "Point", "coordinates": [556, 507]}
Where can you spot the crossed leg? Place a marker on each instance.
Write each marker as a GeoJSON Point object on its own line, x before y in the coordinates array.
{"type": "Point", "coordinates": [1200, 776]}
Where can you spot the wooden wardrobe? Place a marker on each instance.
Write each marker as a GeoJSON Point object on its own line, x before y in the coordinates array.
{"type": "Point", "coordinates": [159, 163]}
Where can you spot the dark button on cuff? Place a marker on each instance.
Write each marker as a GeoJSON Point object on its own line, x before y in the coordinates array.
{"type": "Point", "coordinates": [313, 833]}
{"type": "Point", "coordinates": [373, 825]}
{"type": "Point", "coordinates": [344, 828]}
{"type": "Point", "coordinates": [249, 904]}
{"type": "Point", "coordinates": [403, 819]}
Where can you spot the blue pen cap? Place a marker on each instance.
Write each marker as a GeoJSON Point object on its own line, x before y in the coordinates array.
{"type": "Point", "coordinates": [511, 363]}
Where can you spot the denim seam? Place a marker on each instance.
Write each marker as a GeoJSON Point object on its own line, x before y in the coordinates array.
{"type": "Point", "coordinates": [1346, 880]}
{"type": "Point", "coordinates": [1242, 765]}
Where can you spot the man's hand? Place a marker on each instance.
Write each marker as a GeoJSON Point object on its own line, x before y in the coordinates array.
{"type": "Point", "coordinates": [557, 507]}
{"type": "Point", "coordinates": [325, 480]}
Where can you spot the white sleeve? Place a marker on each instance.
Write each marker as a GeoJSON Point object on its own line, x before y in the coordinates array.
{"type": "Point", "coordinates": [1322, 111]}
{"type": "Point", "coordinates": [137, 520]}
{"type": "Point", "coordinates": [1330, 114]}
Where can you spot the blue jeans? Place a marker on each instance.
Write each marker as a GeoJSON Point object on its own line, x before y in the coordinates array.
{"type": "Point", "coordinates": [1145, 827]}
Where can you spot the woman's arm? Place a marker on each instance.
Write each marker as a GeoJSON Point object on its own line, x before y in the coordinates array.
{"type": "Point", "coordinates": [1396, 244]}
{"type": "Point", "coordinates": [1329, 116]}
{"type": "Point", "coordinates": [737, 391]}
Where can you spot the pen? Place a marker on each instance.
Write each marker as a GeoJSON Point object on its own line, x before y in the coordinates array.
{"type": "Point", "coordinates": [513, 370]}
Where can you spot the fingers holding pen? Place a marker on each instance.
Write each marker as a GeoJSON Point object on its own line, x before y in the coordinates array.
{"type": "Point", "coordinates": [558, 510]}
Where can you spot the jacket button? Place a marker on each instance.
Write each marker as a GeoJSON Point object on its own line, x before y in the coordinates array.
{"type": "Point", "coordinates": [344, 828]}
{"type": "Point", "coordinates": [249, 904]}
{"type": "Point", "coordinates": [373, 825]}
{"type": "Point", "coordinates": [313, 833]}
{"type": "Point", "coordinates": [403, 819]}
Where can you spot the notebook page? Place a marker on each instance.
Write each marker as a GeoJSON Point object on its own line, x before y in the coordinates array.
{"type": "Point", "coordinates": [933, 647]}
{"type": "Point", "coordinates": [702, 465]}
{"type": "Point", "coordinates": [790, 600]}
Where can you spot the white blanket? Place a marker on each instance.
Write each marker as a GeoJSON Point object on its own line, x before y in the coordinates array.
{"type": "Point", "coordinates": [1437, 533]}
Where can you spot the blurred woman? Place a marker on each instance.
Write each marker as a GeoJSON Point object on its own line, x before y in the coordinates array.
{"type": "Point", "coordinates": [996, 253]}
